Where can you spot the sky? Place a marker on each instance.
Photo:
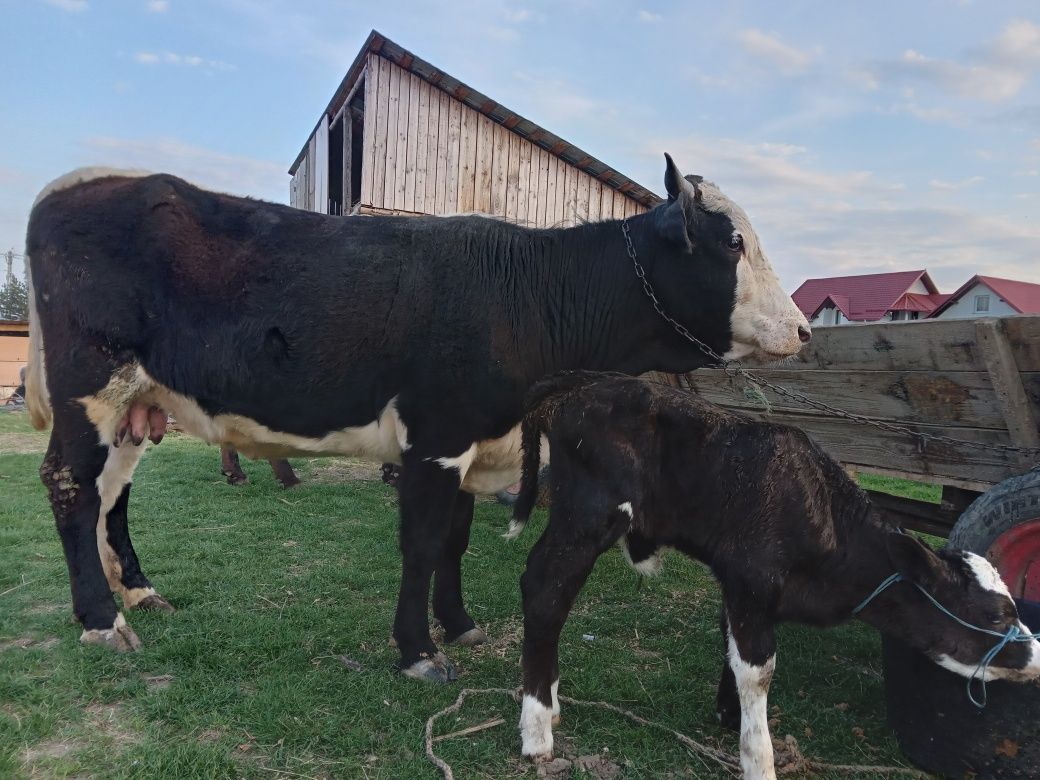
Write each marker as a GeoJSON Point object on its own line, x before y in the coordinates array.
{"type": "Point", "coordinates": [859, 137]}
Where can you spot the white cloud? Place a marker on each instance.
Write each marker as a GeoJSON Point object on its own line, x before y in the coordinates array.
{"type": "Point", "coordinates": [649, 16]}
{"type": "Point", "coordinates": [158, 6]}
{"type": "Point", "coordinates": [995, 72]}
{"type": "Point", "coordinates": [516, 16]}
{"type": "Point", "coordinates": [172, 58]}
{"type": "Point", "coordinates": [774, 52]}
{"type": "Point", "coordinates": [941, 184]}
{"type": "Point", "coordinates": [205, 167]}
{"type": "Point", "coordinates": [819, 222]}
{"type": "Point", "coordinates": [75, 6]}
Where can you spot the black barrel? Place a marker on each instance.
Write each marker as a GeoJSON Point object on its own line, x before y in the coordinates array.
{"type": "Point", "coordinates": [941, 731]}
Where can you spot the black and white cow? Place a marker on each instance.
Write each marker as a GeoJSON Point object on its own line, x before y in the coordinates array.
{"type": "Point", "coordinates": [787, 533]}
{"type": "Point", "coordinates": [410, 340]}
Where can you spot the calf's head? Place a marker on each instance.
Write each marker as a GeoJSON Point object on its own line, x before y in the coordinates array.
{"type": "Point", "coordinates": [712, 275]}
{"type": "Point", "coordinates": [968, 586]}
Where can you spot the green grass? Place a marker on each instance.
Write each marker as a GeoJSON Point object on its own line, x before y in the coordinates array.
{"type": "Point", "coordinates": [271, 586]}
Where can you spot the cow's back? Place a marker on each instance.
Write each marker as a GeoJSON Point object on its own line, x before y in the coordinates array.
{"type": "Point", "coordinates": [239, 303]}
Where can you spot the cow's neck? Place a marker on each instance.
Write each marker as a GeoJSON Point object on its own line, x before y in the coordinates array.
{"type": "Point", "coordinates": [594, 313]}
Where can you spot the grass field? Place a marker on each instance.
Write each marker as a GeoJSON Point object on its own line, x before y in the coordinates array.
{"type": "Point", "coordinates": [246, 680]}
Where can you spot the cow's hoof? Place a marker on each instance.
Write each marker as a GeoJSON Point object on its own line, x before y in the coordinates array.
{"type": "Point", "coordinates": [120, 637]}
{"type": "Point", "coordinates": [155, 602]}
{"type": "Point", "coordinates": [471, 638]}
{"type": "Point", "coordinates": [437, 669]}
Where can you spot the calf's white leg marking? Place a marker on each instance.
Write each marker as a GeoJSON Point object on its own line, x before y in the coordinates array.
{"type": "Point", "coordinates": [556, 702]}
{"type": "Point", "coordinates": [756, 747]}
{"type": "Point", "coordinates": [536, 728]}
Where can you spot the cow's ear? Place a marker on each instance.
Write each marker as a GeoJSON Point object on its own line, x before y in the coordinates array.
{"type": "Point", "coordinates": [675, 183]}
{"type": "Point", "coordinates": [672, 226]}
{"type": "Point", "coordinates": [916, 561]}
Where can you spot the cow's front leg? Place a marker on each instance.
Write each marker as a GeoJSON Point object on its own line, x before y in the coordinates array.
{"type": "Point", "coordinates": [427, 489]}
{"type": "Point", "coordinates": [752, 657]}
{"type": "Point", "coordinates": [448, 606]}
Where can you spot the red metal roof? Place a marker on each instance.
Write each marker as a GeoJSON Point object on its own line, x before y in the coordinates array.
{"type": "Point", "coordinates": [1023, 297]}
{"type": "Point", "coordinates": [863, 297]}
{"type": "Point", "coordinates": [920, 302]}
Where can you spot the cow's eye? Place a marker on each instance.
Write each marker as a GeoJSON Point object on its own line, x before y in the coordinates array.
{"type": "Point", "coordinates": [996, 619]}
{"type": "Point", "coordinates": [736, 242]}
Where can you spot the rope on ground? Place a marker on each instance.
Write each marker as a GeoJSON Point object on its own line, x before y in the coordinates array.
{"type": "Point", "coordinates": [726, 760]}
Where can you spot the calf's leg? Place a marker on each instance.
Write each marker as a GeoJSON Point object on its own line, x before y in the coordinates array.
{"type": "Point", "coordinates": [751, 654]}
{"type": "Point", "coordinates": [427, 491]}
{"type": "Point", "coordinates": [727, 704]}
{"type": "Point", "coordinates": [448, 606]}
{"type": "Point", "coordinates": [556, 570]}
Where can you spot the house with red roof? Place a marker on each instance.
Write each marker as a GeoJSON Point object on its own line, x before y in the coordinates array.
{"type": "Point", "coordinates": [989, 296]}
{"type": "Point", "coordinates": [901, 295]}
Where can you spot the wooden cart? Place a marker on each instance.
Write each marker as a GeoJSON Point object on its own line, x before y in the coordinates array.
{"type": "Point", "coordinates": [974, 380]}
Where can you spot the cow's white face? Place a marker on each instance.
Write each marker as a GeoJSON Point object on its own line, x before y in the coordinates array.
{"type": "Point", "coordinates": [764, 320]}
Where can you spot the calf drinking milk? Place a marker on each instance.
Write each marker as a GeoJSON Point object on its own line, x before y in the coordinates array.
{"type": "Point", "coordinates": [786, 532]}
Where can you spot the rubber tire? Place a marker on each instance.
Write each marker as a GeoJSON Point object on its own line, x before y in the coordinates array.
{"type": "Point", "coordinates": [999, 509]}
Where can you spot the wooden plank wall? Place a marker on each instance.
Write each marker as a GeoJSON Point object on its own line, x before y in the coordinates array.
{"type": "Point", "coordinates": [935, 376]}
{"type": "Point", "coordinates": [428, 153]}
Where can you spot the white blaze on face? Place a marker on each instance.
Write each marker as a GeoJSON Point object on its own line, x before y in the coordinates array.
{"type": "Point", "coordinates": [988, 578]}
{"type": "Point", "coordinates": [764, 317]}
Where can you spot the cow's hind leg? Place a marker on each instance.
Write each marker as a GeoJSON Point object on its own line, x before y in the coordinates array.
{"type": "Point", "coordinates": [70, 472]}
{"type": "Point", "coordinates": [283, 472]}
{"type": "Point", "coordinates": [122, 569]}
{"type": "Point", "coordinates": [231, 466]}
{"type": "Point", "coordinates": [427, 490]}
{"type": "Point", "coordinates": [448, 606]}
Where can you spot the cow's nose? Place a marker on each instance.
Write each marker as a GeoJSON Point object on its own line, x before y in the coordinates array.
{"type": "Point", "coordinates": [804, 334]}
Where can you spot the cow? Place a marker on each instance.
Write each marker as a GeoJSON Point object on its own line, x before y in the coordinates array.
{"type": "Point", "coordinates": [410, 340]}
{"type": "Point", "coordinates": [231, 468]}
{"type": "Point", "coordinates": [785, 531]}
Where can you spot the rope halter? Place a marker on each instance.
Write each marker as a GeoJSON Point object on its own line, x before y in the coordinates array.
{"type": "Point", "coordinates": [1013, 634]}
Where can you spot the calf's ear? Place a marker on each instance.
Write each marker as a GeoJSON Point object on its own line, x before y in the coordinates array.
{"type": "Point", "coordinates": [913, 559]}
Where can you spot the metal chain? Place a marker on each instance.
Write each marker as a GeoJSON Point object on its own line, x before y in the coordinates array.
{"type": "Point", "coordinates": [733, 369]}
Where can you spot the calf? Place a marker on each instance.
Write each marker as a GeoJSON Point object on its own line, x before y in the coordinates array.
{"type": "Point", "coordinates": [786, 532]}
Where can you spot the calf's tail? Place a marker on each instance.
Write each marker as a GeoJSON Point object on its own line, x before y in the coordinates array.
{"type": "Point", "coordinates": [37, 397]}
{"type": "Point", "coordinates": [540, 409]}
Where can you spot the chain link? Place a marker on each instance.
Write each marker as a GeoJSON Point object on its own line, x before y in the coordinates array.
{"type": "Point", "coordinates": [733, 369]}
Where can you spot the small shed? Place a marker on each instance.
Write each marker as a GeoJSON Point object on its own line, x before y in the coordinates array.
{"type": "Point", "coordinates": [14, 353]}
{"type": "Point", "coordinates": [401, 136]}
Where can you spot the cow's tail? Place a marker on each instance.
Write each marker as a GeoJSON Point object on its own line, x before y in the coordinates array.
{"type": "Point", "coordinates": [37, 398]}
{"type": "Point", "coordinates": [540, 409]}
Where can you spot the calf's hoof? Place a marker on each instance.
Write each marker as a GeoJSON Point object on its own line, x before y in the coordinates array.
{"type": "Point", "coordinates": [156, 603]}
{"type": "Point", "coordinates": [120, 637]}
{"type": "Point", "coordinates": [437, 669]}
{"type": "Point", "coordinates": [471, 638]}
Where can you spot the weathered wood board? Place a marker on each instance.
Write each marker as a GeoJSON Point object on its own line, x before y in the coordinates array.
{"type": "Point", "coordinates": [978, 381]}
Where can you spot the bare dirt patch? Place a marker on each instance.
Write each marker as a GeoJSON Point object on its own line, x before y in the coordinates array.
{"type": "Point", "coordinates": [22, 443]}
{"type": "Point", "coordinates": [339, 470]}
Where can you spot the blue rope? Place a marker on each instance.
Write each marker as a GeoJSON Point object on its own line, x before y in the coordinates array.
{"type": "Point", "coordinates": [1013, 634]}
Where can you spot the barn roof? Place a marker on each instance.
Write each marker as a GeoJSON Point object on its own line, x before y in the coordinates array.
{"type": "Point", "coordinates": [377, 43]}
{"type": "Point", "coordinates": [864, 297]}
{"type": "Point", "coordinates": [1023, 297]}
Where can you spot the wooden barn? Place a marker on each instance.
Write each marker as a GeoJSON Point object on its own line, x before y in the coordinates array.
{"type": "Point", "coordinates": [401, 136]}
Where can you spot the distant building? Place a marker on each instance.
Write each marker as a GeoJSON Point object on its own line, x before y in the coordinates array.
{"type": "Point", "coordinates": [903, 295]}
{"type": "Point", "coordinates": [988, 296]}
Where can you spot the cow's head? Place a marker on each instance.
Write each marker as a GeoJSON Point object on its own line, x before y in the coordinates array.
{"type": "Point", "coordinates": [714, 268]}
{"type": "Point", "coordinates": [968, 586]}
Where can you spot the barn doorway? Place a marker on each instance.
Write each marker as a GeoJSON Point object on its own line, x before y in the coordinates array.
{"type": "Point", "coordinates": [346, 138]}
